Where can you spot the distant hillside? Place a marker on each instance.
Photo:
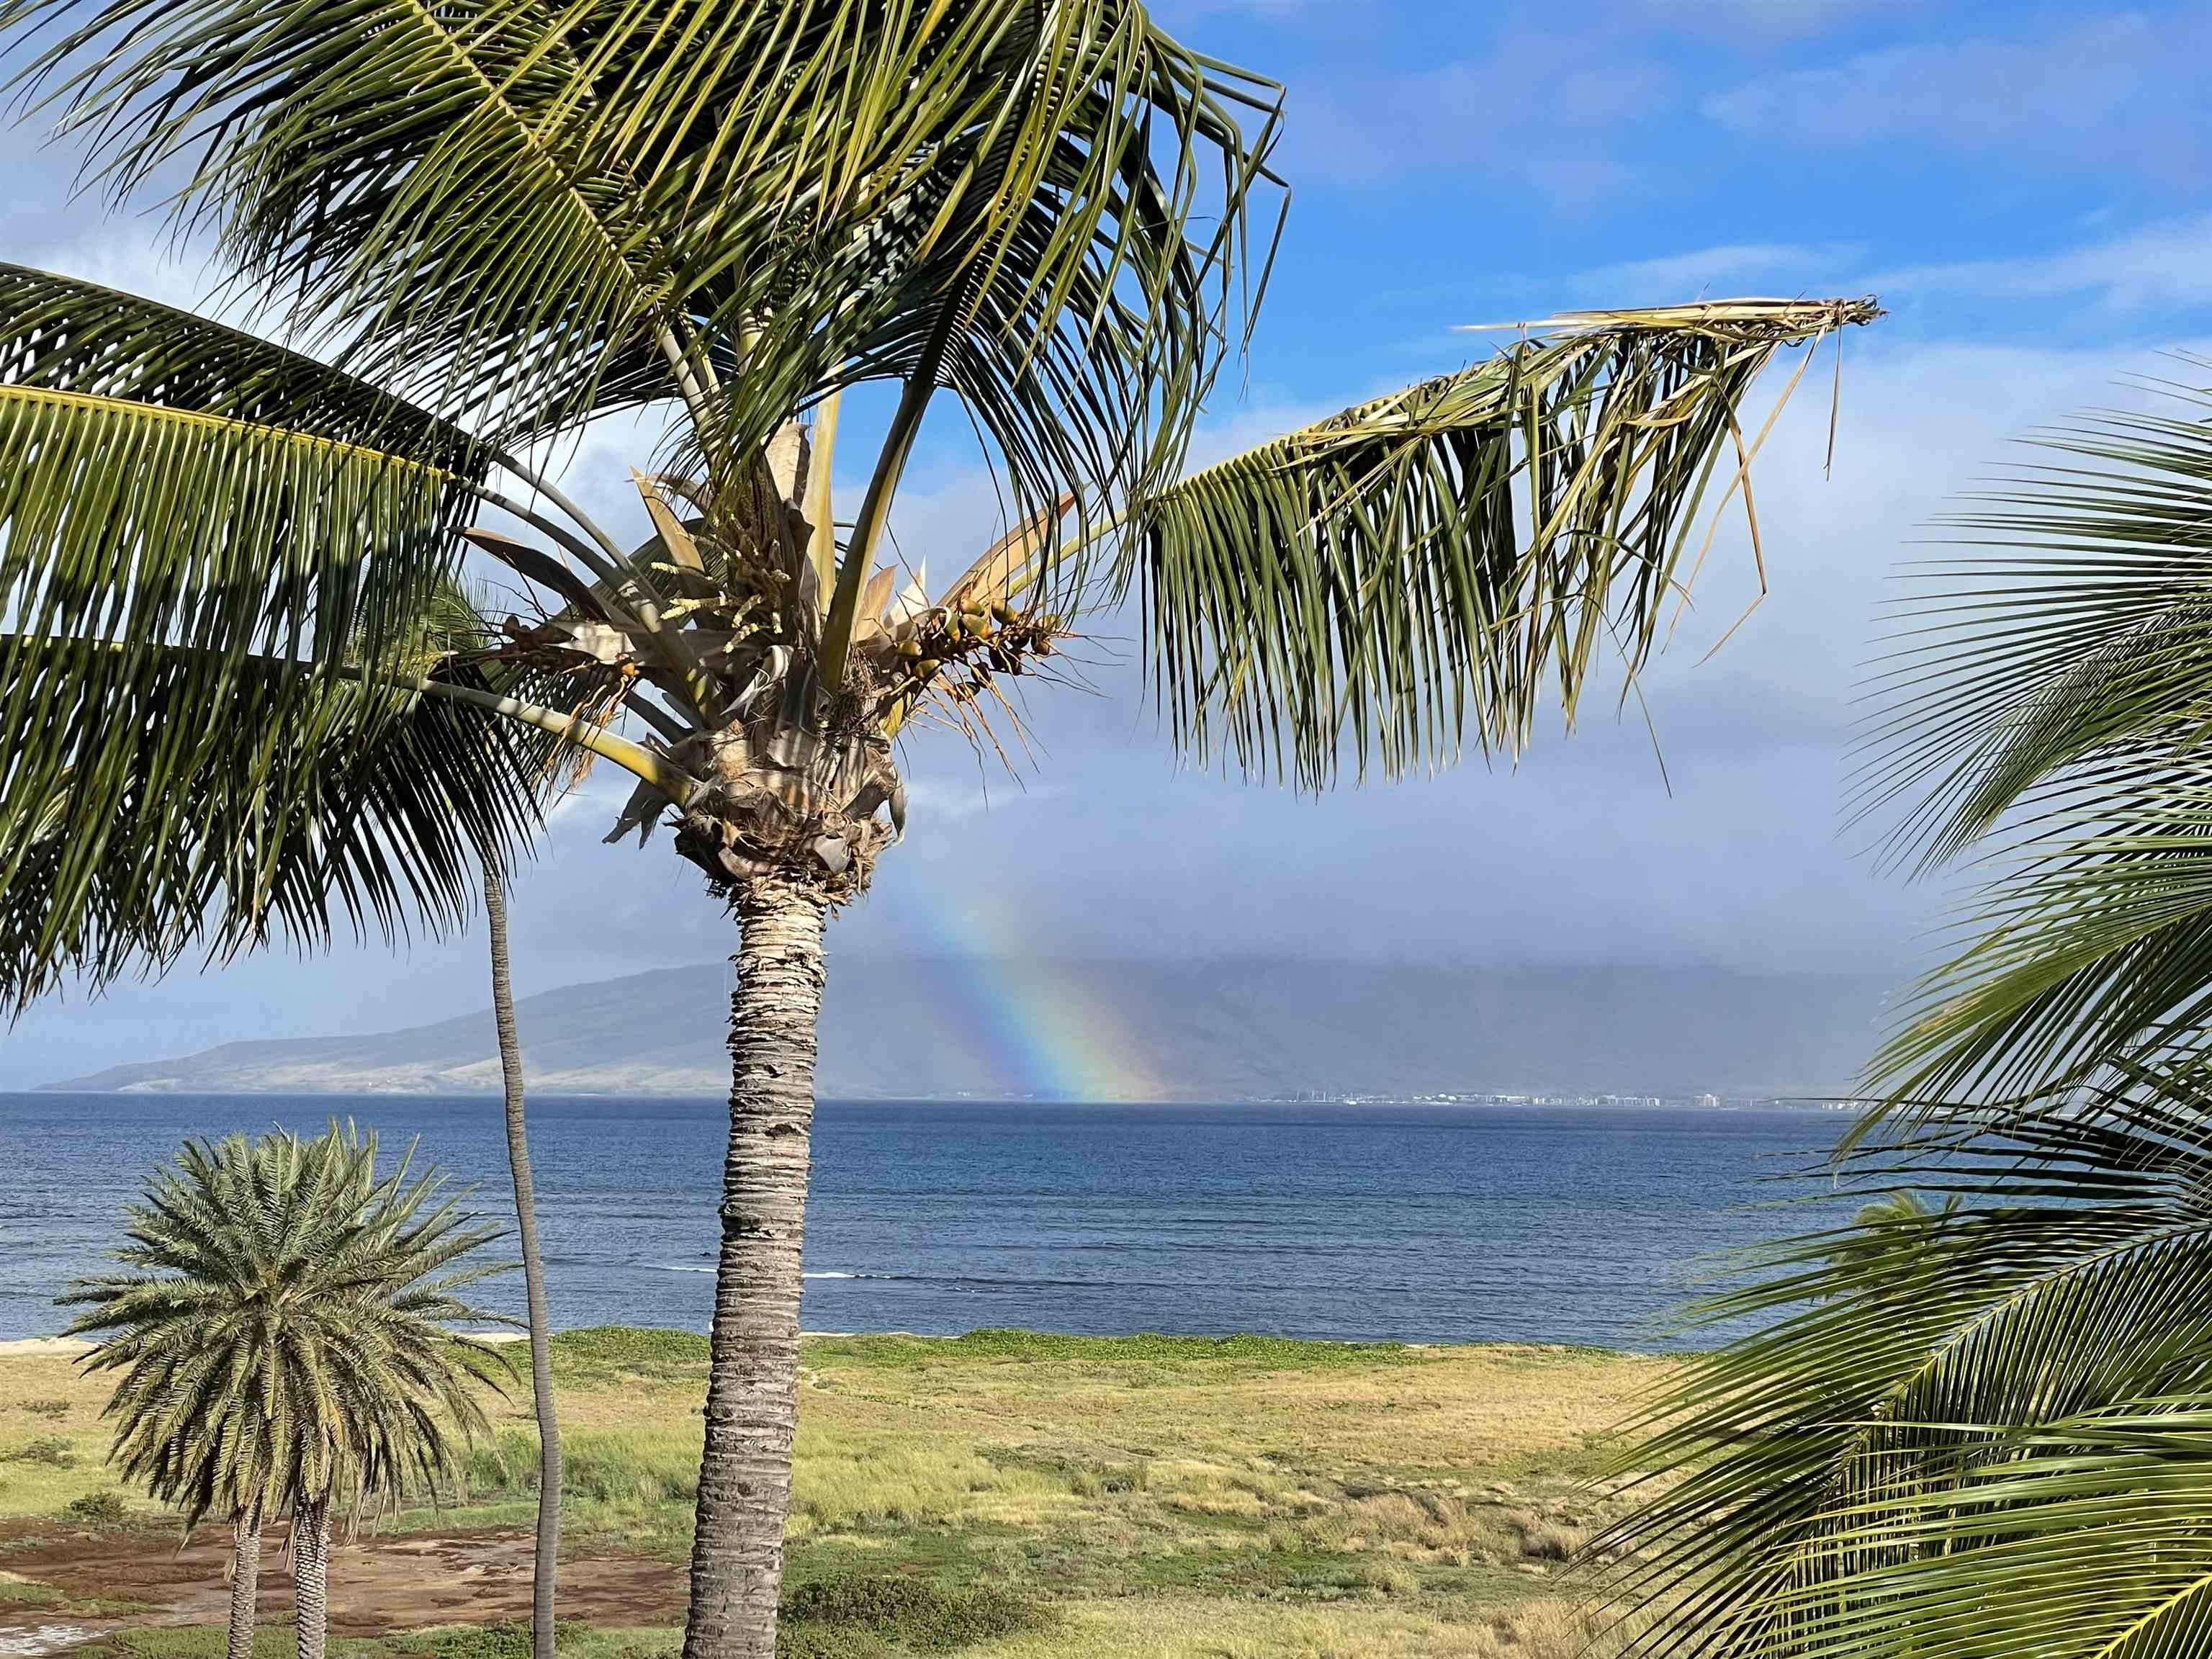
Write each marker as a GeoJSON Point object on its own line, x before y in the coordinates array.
{"type": "Point", "coordinates": [1217, 1031]}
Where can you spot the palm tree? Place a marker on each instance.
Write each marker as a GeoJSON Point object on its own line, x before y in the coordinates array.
{"type": "Point", "coordinates": [280, 1333]}
{"type": "Point", "coordinates": [1988, 1430]}
{"type": "Point", "coordinates": [546, 1564]}
{"type": "Point", "coordinates": [509, 219]}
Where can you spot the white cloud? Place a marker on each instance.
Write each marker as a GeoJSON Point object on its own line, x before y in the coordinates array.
{"type": "Point", "coordinates": [2076, 93]}
{"type": "Point", "coordinates": [930, 798]}
{"type": "Point", "coordinates": [2160, 267]}
{"type": "Point", "coordinates": [2158, 271]}
{"type": "Point", "coordinates": [1799, 267]}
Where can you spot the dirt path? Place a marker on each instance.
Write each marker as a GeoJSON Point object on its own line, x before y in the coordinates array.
{"type": "Point", "coordinates": [378, 1583]}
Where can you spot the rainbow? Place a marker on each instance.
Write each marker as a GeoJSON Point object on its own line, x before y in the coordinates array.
{"type": "Point", "coordinates": [1034, 1026]}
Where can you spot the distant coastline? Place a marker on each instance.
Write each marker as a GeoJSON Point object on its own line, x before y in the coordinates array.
{"type": "Point", "coordinates": [1534, 1102]}
{"type": "Point", "coordinates": [1196, 1031]}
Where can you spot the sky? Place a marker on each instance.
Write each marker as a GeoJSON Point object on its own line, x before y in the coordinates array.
{"type": "Point", "coordinates": [2027, 189]}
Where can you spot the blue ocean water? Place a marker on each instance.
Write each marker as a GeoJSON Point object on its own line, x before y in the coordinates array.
{"type": "Point", "coordinates": [1437, 1224]}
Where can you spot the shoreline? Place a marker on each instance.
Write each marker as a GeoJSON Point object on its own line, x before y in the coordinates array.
{"type": "Point", "coordinates": [70, 1347]}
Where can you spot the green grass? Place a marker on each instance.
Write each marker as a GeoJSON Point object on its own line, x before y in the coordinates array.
{"type": "Point", "coordinates": [608, 1353]}
{"type": "Point", "coordinates": [1010, 1495]}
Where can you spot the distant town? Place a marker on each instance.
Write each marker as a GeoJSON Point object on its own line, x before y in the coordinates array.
{"type": "Point", "coordinates": [1708, 1103]}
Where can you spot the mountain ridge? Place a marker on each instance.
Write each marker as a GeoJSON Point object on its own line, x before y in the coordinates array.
{"type": "Point", "coordinates": [924, 1028]}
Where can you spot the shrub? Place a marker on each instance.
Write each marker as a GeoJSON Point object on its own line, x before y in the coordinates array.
{"type": "Point", "coordinates": [504, 1466]}
{"type": "Point", "coordinates": [509, 1639]}
{"type": "Point", "coordinates": [609, 1469]}
{"type": "Point", "coordinates": [98, 1509]}
{"type": "Point", "coordinates": [1543, 1539]}
{"type": "Point", "coordinates": [47, 1407]}
{"type": "Point", "coordinates": [855, 1617]}
{"type": "Point", "coordinates": [52, 1449]}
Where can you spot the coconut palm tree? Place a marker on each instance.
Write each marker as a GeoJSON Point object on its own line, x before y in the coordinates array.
{"type": "Point", "coordinates": [545, 1564]}
{"type": "Point", "coordinates": [1988, 1429]}
{"type": "Point", "coordinates": [506, 219]}
{"type": "Point", "coordinates": [279, 1328]}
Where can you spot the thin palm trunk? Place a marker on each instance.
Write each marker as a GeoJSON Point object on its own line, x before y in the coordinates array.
{"type": "Point", "coordinates": [752, 1389]}
{"type": "Point", "coordinates": [245, 1580]}
{"type": "Point", "coordinates": [547, 1566]}
{"type": "Point", "coordinates": [311, 1563]}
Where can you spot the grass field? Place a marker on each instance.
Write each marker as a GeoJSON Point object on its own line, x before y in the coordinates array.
{"type": "Point", "coordinates": [1001, 1496]}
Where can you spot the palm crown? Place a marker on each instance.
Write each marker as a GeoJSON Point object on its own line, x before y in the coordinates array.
{"type": "Point", "coordinates": [280, 1328]}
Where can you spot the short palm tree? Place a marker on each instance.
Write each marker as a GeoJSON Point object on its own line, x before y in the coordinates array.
{"type": "Point", "coordinates": [1987, 1429]}
{"type": "Point", "coordinates": [280, 1328]}
{"type": "Point", "coordinates": [508, 217]}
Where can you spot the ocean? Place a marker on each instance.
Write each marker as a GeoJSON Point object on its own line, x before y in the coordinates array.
{"type": "Point", "coordinates": [1431, 1224]}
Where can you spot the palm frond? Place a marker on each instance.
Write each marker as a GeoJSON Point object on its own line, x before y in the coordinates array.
{"type": "Point", "coordinates": [208, 539]}
{"type": "Point", "coordinates": [165, 478]}
{"type": "Point", "coordinates": [238, 798]}
{"type": "Point", "coordinates": [1979, 1430]}
{"type": "Point", "coordinates": [1436, 559]}
{"type": "Point", "coordinates": [409, 174]}
{"type": "Point", "coordinates": [562, 207]}
{"type": "Point", "coordinates": [2045, 706]}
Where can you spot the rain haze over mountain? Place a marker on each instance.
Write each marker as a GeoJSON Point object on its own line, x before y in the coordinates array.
{"type": "Point", "coordinates": [1962, 161]}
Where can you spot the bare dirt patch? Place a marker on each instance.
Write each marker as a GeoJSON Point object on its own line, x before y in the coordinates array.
{"type": "Point", "coordinates": [378, 1583]}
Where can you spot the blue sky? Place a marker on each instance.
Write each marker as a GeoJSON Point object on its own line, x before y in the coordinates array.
{"type": "Point", "coordinates": [2026, 187]}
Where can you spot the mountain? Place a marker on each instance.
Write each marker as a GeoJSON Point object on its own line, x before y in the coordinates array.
{"type": "Point", "coordinates": [1204, 1030]}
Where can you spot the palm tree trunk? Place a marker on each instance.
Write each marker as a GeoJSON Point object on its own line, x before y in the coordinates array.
{"type": "Point", "coordinates": [752, 1389]}
{"type": "Point", "coordinates": [546, 1568]}
{"type": "Point", "coordinates": [245, 1580]}
{"type": "Point", "coordinates": [311, 1562]}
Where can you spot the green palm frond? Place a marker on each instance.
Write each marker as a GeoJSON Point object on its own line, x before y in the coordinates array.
{"type": "Point", "coordinates": [165, 478]}
{"type": "Point", "coordinates": [281, 1326]}
{"type": "Point", "coordinates": [1982, 1431]}
{"type": "Point", "coordinates": [208, 540]}
{"type": "Point", "coordinates": [2047, 706]}
{"type": "Point", "coordinates": [563, 206]}
{"type": "Point", "coordinates": [240, 798]}
{"type": "Point", "coordinates": [409, 173]}
{"type": "Point", "coordinates": [1437, 559]}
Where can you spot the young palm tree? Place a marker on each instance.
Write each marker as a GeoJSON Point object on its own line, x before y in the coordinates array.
{"type": "Point", "coordinates": [280, 1334]}
{"type": "Point", "coordinates": [545, 1566]}
{"type": "Point", "coordinates": [511, 217]}
{"type": "Point", "coordinates": [1990, 1431]}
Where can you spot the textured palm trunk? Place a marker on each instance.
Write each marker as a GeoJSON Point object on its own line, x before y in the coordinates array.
{"type": "Point", "coordinates": [245, 1580]}
{"type": "Point", "coordinates": [752, 1389]}
{"type": "Point", "coordinates": [546, 1568]}
{"type": "Point", "coordinates": [311, 1566]}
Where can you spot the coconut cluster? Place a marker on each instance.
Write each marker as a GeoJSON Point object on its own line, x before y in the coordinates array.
{"type": "Point", "coordinates": [957, 649]}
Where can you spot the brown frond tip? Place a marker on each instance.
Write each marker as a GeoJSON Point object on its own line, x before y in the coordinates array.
{"type": "Point", "coordinates": [1745, 320]}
